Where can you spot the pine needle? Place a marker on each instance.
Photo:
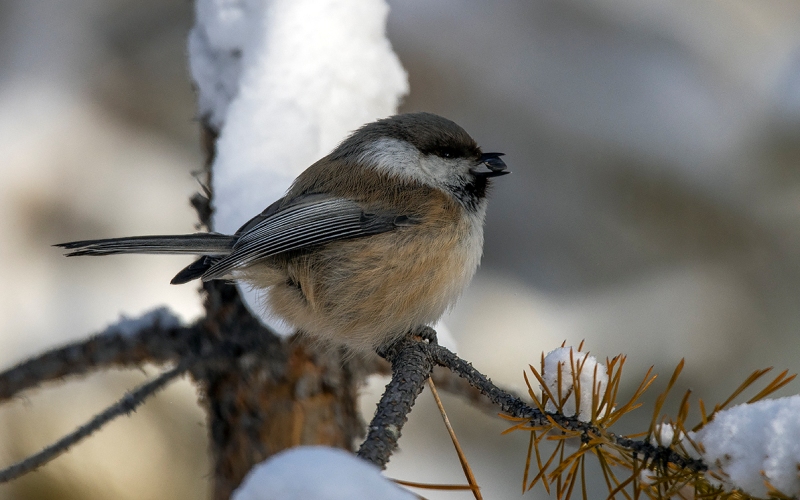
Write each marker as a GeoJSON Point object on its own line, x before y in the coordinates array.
{"type": "Point", "coordinates": [539, 462]}
{"type": "Point", "coordinates": [584, 496]}
{"type": "Point", "coordinates": [568, 461]}
{"type": "Point", "coordinates": [780, 381]}
{"type": "Point", "coordinates": [431, 486]}
{"type": "Point", "coordinates": [608, 473]}
{"type": "Point", "coordinates": [597, 401]}
{"type": "Point", "coordinates": [545, 390]}
{"type": "Point", "coordinates": [539, 404]}
{"type": "Point", "coordinates": [542, 470]}
{"type": "Point", "coordinates": [559, 482]}
{"type": "Point", "coordinates": [521, 426]}
{"type": "Point", "coordinates": [559, 402]}
{"type": "Point", "coordinates": [461, 457]}
{"type": "Point", "coordinates": [683, 413]}
{"type": "Point", "coordinates": [629, 406]}
{"type": "Point", "coordinates": [703, 414]}
{"type": "Point", "coordinates": [621, 488]}
{"type": "Point", "coordinates": [744, 385]}
{"type": "Point", "coordinates": [576, 381]}
{"type": "Point", "coordinates": [663, 396]}
{"type": "Point", "coordinates": [572, 476]}
{"type": "Point", "coordinates": [528, 460]}
{"type": "Point", "coordinates": [614, 379]}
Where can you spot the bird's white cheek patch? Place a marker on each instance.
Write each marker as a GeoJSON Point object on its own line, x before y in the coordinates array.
{"type": "Point", "coordinates": [401, 158]}
{"type": "Point", "coordinates": [441, 172]}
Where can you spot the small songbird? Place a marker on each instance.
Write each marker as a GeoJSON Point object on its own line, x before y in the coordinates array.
{"type": "Point", "coordinates": [374, 240]}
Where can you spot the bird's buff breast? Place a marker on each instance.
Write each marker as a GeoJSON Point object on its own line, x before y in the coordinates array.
{"type": "Point", "coordinates": [367, 292]}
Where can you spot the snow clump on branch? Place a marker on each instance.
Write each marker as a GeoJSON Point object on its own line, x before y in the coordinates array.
{"type": "Point", "coordinates": [575, 368]}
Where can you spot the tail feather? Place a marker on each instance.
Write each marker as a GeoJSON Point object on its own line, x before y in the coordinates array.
{"type": "Point", "coordinates": [194, 270]}
{"type": "Point", "coordinates": [194, 244]}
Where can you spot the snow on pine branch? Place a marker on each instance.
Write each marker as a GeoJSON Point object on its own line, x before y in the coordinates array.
{"type": "Point", "coordinates": [754, 445]}
{"type": "Point", "coordinates": [564, 369]}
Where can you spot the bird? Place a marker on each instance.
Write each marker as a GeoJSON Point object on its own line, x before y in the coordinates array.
{"type": "Point", "coordinates": [376, 239]}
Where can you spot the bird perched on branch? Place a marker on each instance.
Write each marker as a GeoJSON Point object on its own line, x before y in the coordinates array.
{"type": "Point", "coordinates": [374, 240]}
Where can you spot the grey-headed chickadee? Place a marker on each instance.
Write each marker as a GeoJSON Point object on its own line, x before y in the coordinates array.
{"type": "Point", "coordinates": [370, 242]}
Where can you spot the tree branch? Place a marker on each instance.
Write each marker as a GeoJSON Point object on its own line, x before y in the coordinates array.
{"type": "Point", "coordinates": [412, 363]}
{"type": "Point", "coordinates": [515, 407]}
{"type": "Point", "coordinates": [127, 404]}
{"type": "Point", "coordinates": [504, 400]}
{"type": "Point", "coordinates": [411, 367]}
{"type": "Point", "coordinates": [451, 383]}
{"type": "Point", "coordinates": [157, 339]}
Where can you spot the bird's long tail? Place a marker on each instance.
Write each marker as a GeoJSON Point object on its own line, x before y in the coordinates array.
{"type": "Point", "coordinates": [194, 244]}
{"type": "Point", "coordinates": [211, 246]}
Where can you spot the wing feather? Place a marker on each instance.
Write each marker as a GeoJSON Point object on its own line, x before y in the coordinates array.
{"type": "Point", "coordinates": [306, 222]}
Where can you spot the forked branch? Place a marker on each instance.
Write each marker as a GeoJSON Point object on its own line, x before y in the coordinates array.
{"type": "Point", "coordinates": [412, 363]}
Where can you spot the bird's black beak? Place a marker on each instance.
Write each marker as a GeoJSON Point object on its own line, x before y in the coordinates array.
{"type": "Point", "coordinates": [492, 161]}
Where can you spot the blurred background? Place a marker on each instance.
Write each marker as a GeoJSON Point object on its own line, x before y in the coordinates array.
{"type": "Point", "coordinates": [654, 209]}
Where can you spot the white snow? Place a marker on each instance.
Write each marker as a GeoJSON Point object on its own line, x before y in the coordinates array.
{"type": "Point", "coordinates": [592, 374]}
{"type": "Point", "coordinates": [320, 473]}
{"type": "Point", "coordinates": [126, 326]}
{"type": "Point", "coordinates": [285, 81]}
{"type": "Point", "coordinates": [664, 434]}
{"type": "Point", "coordinates": [752, 444]}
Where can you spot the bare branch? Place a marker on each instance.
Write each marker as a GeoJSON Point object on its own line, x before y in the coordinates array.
{"type": "Point", "coordinates": [451, 383]}
{"type": "Point", "coordinates": [127, 404]}
{"type": "Point", "coordinates": [411, 367]}
{"type": "Point", "coordinates": [506, 401]}
{"type": "Point", "coordinates": [156, 339]}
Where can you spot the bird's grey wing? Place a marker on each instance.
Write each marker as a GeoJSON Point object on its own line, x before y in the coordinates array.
{"type": "Point", "coordinates": [302, 223]}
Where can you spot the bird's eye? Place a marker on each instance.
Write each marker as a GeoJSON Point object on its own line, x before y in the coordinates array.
{"type": "Point", "coordinates": [447, 153]}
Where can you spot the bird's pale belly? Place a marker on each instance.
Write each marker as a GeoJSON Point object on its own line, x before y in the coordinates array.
{"type": "Point", "coordinates": [384, 286]}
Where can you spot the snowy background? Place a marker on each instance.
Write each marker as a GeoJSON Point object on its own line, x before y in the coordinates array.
{"type": "Point", "coordinates": [654, 208]}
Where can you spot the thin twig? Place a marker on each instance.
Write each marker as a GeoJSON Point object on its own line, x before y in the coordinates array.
{"type": "Point", "coordinates": [451, 383]}
{"type": "Point", "coordinates": [428, 486]}
{"type": "Point", "coordinates": [127, 404]}
{"type": "Point", "coordinates": [473, 484]}
{"type": "Point", "coordinates": [507, 402]}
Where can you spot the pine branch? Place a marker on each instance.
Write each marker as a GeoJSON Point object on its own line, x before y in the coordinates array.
{"type": "Point", "coordinates": [412, 362]}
